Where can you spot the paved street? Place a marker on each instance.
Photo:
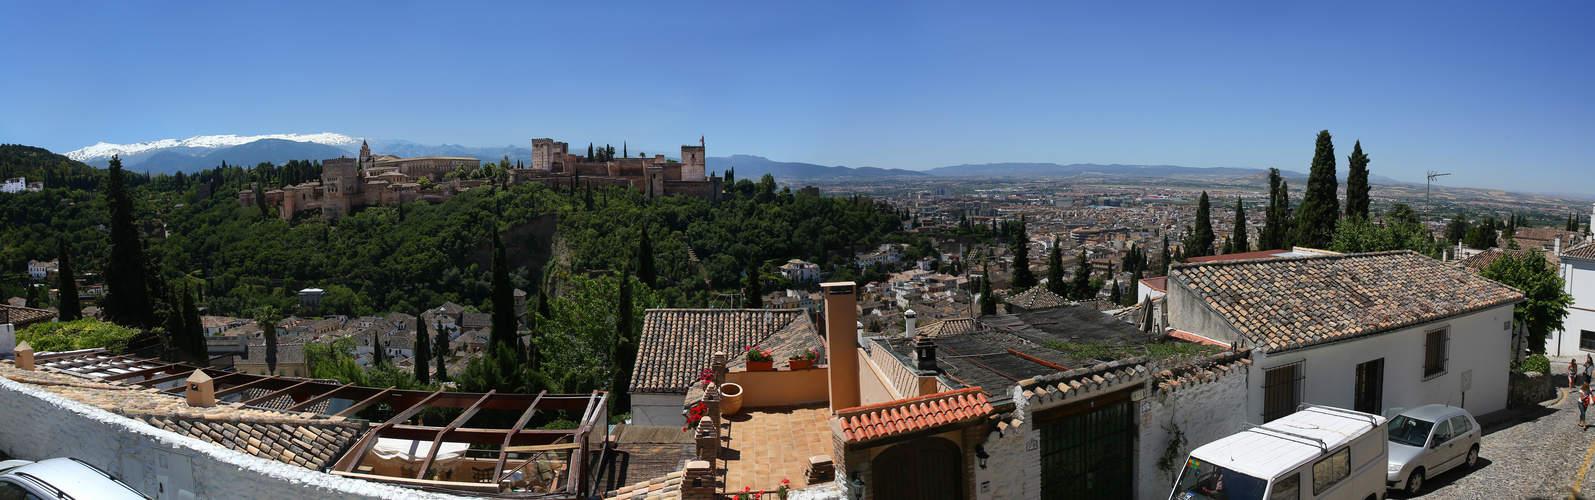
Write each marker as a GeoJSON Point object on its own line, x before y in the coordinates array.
{"type": "Point", "coordinates": [1540, 453]}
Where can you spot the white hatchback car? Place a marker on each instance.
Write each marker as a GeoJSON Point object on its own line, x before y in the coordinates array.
{"type": "Point", "coordinates": [1429, 440]}
{"type": "Point", "coordinates": [60, 478]}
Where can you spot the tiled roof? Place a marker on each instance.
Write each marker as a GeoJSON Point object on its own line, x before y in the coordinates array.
{"type": "Point", "coordinates": [287, 354]}
{"type": "Point", "coordinates": [311, 445]}
{"type": "Point", "coordinates": [23, 316]}
{"type": "Point", "coordinates": [1260, 254]}
{"type": "Point", "coordinates": [872, 422]}
{"type": "Point", "coordinates": [1483, 259]}
{"type": "Point", "coordinates": [1037, 298]}
{"type": "Point", "coordinates": [949, 326]}
{"type": "Point", "coordinates": [1290, 303]}
{"type": "Point", "coordinates": [1585, 251]}
{"type": "Point", "coordinates": [677, 343]}
{"type": "Point", "coordinates": [1160, 283]}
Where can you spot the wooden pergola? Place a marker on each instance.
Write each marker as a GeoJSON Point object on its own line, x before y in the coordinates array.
{"type": "Point", "coordinates": [576, 445]}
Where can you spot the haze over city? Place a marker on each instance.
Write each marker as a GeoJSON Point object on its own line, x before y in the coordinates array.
{"type": "Point", "coordinates": [1491, 93]}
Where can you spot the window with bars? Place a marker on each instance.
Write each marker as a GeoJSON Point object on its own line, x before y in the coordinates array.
{"type": "Point", "coordinates": [1282, 388]}
{"type": "Point", "coordinates": [1434, 352]}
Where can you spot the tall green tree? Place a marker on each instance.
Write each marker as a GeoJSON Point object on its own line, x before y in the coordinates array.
{"type": "Point", "coordinates": [1278, 227]}
{"type": "Point", "coordinates": [504, 323]}
{"type": "Point", "coordinates": [1239, 240]}
{"type": "Point", "coordinates": [1357, 198]}
{"type": "Point", "coordinates": [127, 301]}
{"type": "Point", "coordinates": [66, 284]}
{"type": "Point", "coordinates": [1055, 283]}
{"type": "Point", "coordinates": [646, 272]}
{"type": "Point", "coordinates": [423, 353]}
{"type": "Point", "coordinates": [1547, 303]}
{"type": "Point", "coordinates": [625, 345]}
{"type": "Point", "coordinates": [1080, 287]}
{"type": "Point", "coordinates": [1320, 203]}
{"type": "Point", "coordinates": [268, 330]}
{"type": "Point", "coordinates": [753, 289]}
{"type": "Point", "coordinates": [260, 201]}
{"type": "Point", "coordinates": [1164, 260]}
{"type": "Point", "coordinates": [1023, 277]}
{"type": "Point", "coordinates": [194, 334]}
{"type": "Point", "coordinates": [1135, 282]}
{"type": "Point", "coordinates": [379, 352]}
{"type": "Point", "coordinates": [988, 299]}
{"type": "Point", "coordinates": [1200, 242]}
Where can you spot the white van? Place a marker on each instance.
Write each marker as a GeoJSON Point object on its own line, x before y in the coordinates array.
{"type": "Point", "coordinates": [1316, 453]}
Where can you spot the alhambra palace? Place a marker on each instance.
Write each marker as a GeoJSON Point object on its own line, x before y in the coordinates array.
{"type": "Point", "coordinates": [371, 180]}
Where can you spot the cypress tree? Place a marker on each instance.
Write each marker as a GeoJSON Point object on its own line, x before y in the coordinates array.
{"type": "Point", "coordinates": [1357, 198]}
{"type": "Point", "coordinates": [1320, 205]}
{"type": "Point", "coordinates": [753, 289]}
{"type": "Point", "coordinates": [1164, 259]}
{"type": "Point", "coordinates": [1202, 238]}
{"type": "Point", "coordinates": [66, 284]}
{"type": "Point", "coordinates": [1277, 228]}
{"type": "Point", "coordinates": [260, 201]}
{"type": "Point", "coordinates": [988, 300]}
{"type": "Point", "coordinates": [194, 335]}
{"type": "Point", "coordinates": [1023, 278]}
{"type": "Point", "coordinates": [1135, 283]}
{"type": "Point", "coordinates": [504, 324]}
{"type": "Point", "coordinates": [1055, 283]}
{"type": "Point", "coordinates": [1239, 240]}
{"type": "Point", "coordinates": [625, 343]}
{"type": "Point", "coordinates": [268, 330]}
{"type": "Point", "coordinates": [1080, 286]}
{"type": "Point", "coordinates": [128, 301]}
{"type": "Point", "coordinates": [379, 352]}
{"type": "Point", "coordinates": [1114, 296]}
{"type": "Point", "coordinates": [645, 260]}
{"type": "Point", "coordinates": [423, 355]}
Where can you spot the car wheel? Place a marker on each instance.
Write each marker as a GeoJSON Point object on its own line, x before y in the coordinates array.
{"type": "Point", "coordinates": [1473, 456]}
{"type": "Point", "coordinates": [1415, 483]}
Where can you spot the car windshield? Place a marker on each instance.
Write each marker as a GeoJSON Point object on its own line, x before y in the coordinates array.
{"type": "Point", "coordinates": [1410, 431]}
{"type": "Point", "coordinates": [1202, 480]}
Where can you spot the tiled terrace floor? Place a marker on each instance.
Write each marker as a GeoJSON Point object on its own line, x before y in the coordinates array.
{"type": "Point", "coordinates": [769, 444]}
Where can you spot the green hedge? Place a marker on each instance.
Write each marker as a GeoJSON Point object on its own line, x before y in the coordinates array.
{"type": "Point", "coordinates": [81, 334]}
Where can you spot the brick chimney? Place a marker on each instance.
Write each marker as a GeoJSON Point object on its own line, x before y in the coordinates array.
{"type": "Point", "coordinates": [201, 390]}
{"type": "Point", "coordinates": [25, 356]}
{"type": "Point", "coordinates": [925, 365]}
{"type": "Point", "coordinates": [841, 314]}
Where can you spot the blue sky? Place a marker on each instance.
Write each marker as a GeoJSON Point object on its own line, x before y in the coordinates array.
{"type": "Point", "coordinates": [1500, 94]}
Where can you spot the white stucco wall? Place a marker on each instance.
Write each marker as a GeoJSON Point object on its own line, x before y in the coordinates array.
{"type": "Point", "coordinates": [1579, 278]}
{"type": "Point", "coordinates": [1204, 412]}
{"type": "Point", "coordinates": [658, 409]}
{"type": "Point", "coordinates": [35, 425]}
{"type": "Point", "coordinates": [1480, 342]}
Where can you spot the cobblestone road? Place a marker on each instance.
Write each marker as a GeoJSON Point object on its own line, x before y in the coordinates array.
{"type": "Point", "coordinates": [1537, 454]}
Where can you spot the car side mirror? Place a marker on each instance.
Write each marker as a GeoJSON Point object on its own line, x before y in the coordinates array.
{"type": "Point", "coordinates": [1435, 442]}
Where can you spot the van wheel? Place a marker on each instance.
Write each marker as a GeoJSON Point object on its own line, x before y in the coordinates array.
{"type": "Point", "coordinates": [1415, 483]}
{"type": "Point", "coordinates": [1473, 456]}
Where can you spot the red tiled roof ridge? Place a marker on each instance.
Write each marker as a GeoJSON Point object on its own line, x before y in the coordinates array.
{"type": "Point", "coordinates": [901, 402]}
{"type": "Point", "coordinates": [1253, 262]}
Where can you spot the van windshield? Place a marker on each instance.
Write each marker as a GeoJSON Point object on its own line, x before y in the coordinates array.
{"type": "Point", "coordinates": [1202, 480]}
{"type": "Point", "coordinates": [1410, 431]}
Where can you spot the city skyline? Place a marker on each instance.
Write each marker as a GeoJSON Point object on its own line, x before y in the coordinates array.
{"type": "Point", "coordinates": [1487, 93]}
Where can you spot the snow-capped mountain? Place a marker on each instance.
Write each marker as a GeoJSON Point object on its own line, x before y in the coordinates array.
{"type": "Point", "coordinates": [202, 143]}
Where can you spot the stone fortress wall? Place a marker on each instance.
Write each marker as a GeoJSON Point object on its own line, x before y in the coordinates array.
{"type": "Point", "coordinates": [36, 425]}
{"type": "Point", "coordinates": [349, 183]}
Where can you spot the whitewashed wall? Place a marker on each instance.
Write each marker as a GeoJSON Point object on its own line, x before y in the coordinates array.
{"type": "Point", "coordinates": [39, 425]}
{"type": "Point", "coordinates": [1204, 412]}
{"type": "Point", "coordinates": [1579, 276]}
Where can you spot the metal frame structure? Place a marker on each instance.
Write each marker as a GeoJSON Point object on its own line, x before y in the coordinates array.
{"type": "Point", "coordinates": [580, 443]}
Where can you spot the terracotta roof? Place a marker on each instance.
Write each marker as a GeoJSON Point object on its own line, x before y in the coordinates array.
{"type": "Point", "coordinates": [1160, 283]}
{"type": "Point", "coordinates": [1260, 254]}
{"type": "Point", "coordinates": [1483, 259]}
{"type": "Point", "coordinates": [313, 445]}
{"type": "Point", "coordinates": [678, 343]}
{"type": "Point", "coordinates": [867, 423]}
{"type": "Point", "coordinates": [1291, 303]}
{"type": "Point", "coordinates": [1037, 298]}
{"type": "Point", "coordinates": [24, 316]}
{"type": "Point", "coordinates": [1585, 251]}
{"type": "Point", "coordinates": [948, 326]}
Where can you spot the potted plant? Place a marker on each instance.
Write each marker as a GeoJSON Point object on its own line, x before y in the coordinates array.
{"type": "Point", "coordinates": [803, 360]}
{"type": "Point", "coordinates": [759, 360]}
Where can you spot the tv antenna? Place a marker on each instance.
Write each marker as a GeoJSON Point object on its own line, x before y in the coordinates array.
{"type": "Point", "coordinates": [1427, 205]}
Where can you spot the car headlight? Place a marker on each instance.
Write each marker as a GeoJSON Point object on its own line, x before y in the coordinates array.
{"type": "Point", "coordinates": [1394, 468]}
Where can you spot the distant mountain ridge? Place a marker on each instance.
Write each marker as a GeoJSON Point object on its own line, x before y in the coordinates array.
{"type": "Point", "coordinates": [753, 167]}
{"type": "Point", "coordinates": [1054, 170]}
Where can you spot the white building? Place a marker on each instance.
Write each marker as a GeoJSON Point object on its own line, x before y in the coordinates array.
{"type": "Point", "coordinates": [1578, 328]}
{"type": "Point", "coordinates": [1374, 332]}
{"type": "Point", "coordinates": [801, 271]}
{"type": "Point", "coordinates": [40, 270]}
{"type": "Point", "coordinates": [14, 185]}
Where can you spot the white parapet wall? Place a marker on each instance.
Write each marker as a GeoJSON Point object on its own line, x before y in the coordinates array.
{"type": "Point", "coordinates": [36, 425]}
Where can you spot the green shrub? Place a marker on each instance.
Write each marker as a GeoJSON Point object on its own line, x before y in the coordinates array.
{"type": "Point", "coordinates": [85, 333]}
{"type": "Point", "coordinates": [1533, 363]}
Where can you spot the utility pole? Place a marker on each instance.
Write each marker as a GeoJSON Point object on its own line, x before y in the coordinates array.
{"type": "Point", "coordinates": [1427, 205]}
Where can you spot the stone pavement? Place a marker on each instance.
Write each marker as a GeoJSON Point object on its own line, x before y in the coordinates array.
{"type": "Point", "coordinates": [1531, 452]}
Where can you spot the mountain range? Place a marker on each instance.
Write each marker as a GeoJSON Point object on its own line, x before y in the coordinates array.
{"type": "Point", "coordinates": [204, 152]}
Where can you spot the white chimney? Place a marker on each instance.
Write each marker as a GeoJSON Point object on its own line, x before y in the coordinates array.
{"type": "Point", "coordinates": [909, 318]}
{"type": "Point", "coordinates": [1558, 250]}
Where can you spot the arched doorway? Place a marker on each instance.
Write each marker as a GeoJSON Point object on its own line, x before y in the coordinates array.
{"type": "Point", "coordinates": [926, 468]}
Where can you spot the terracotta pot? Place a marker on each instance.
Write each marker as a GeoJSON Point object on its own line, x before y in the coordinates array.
{"type": "Point", "coordinates": [730, 398]}
{"type": "Point", "coordinates": [761, 366]}
{"type": "Point", "coordinates": [799, 364]}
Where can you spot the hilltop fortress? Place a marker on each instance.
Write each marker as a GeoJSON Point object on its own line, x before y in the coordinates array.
{"type": "Point", "coordinates": [349, 183]}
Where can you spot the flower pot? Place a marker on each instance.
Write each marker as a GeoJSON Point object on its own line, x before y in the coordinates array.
{"type": "Point", "coordinates": [730, 398]}
{"type": "Point", "coordinates": [761, 366]}
{"type": "Point", "coordinates": [799, 364]}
